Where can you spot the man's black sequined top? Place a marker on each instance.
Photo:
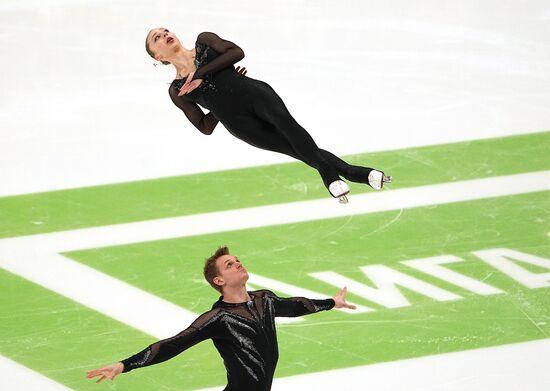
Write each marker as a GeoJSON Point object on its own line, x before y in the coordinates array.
{"type": "Point", "coordinates": [243, 333]}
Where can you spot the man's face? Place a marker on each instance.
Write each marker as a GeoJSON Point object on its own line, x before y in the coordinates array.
{"type": "Point", "coordinates": [231, 272]}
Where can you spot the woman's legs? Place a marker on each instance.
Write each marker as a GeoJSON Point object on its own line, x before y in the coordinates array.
{"type": "Point", "coordinates": [272, 127]}
{"type": "Point", "coordinates": [353, 173]}
{"type": "Point", "coordinates": [274, 112]}
{"type": "Point", "coordinates": [264, 135]}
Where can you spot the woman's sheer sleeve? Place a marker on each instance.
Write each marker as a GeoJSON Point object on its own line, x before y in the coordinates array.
{"type": "Point", "coordinates": [203, 122]}
{"type": "Point", "coordinates": [166, 349]}
{"type": "Point", "coordinates": [229, 54]}
{"type": "Point", "coordinates": [298, 306]}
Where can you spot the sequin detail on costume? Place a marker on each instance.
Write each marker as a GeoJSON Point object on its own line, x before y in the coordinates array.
{"type": "Point", "coordinates": [202, 53]}
{"type": "Point", "coordinates": [141, 362]}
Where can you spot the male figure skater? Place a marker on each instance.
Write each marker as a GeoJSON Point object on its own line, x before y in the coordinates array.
{"type": "Point", "coordinates": [241, 324]}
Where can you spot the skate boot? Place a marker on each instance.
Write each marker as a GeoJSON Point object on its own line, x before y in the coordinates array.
{"type": "Point", "coordinates": [339, 189]}
{"type": "Point", "coordinates": [377, 179]}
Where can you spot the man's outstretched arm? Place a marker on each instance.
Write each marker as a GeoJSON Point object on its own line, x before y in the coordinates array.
{"type": "Point", "coordinates": [159, 351]}
{"type": "Point", "coordinates": [164, 350]}
{"type": "Point", "coordinates": [298, 306]}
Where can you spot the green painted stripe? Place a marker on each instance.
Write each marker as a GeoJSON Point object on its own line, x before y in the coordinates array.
{"type": "Point", "coordinates": [191, 194]}
{"type": "Point", "coordinates": [172, 269]}
{"type": "Point", "coordinates": [62, 340]}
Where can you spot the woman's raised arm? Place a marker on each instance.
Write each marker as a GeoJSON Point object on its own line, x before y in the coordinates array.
{"type": "Point", "coordinates": [229, 54]}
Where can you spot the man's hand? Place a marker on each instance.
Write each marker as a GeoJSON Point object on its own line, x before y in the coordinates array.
{"type": "Point", "coordinates": [110, 371]}
{"type": "Point", "coordinates": [340, 300]}
{"type": "Point", "coordinates": [241, 71]}
{"type": "Point", "coordinates": [190, 84]}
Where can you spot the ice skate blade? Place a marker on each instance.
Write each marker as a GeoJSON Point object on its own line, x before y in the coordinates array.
{"type": "Point", "coordinates": [343, 199]}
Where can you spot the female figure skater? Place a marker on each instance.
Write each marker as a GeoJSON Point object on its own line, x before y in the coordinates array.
{"type": "Point", "coordinates": [250, 109]}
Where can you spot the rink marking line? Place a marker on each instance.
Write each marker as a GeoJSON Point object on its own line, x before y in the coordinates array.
{"type": "Point", "coordinates": [38, 258]}
{"type": "Point", "coordinates": [503, 368]}
{"type": "Point", "coordinates": [14, 376]}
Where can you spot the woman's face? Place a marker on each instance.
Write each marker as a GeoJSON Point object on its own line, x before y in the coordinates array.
{"type": "Point", "coordinates": [162, 43]}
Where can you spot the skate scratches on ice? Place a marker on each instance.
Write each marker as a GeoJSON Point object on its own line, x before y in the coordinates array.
{"type": "Point", "coordinates": [383, 227]}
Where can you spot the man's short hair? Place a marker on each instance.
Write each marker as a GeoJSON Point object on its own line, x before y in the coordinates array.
{"type": "Point", "coordinates": [211, 269]}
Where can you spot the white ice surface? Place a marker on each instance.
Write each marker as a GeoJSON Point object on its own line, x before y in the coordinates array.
{"type": "Point", "coordinates": [515, 367]}
{"type": "Point", "coordinates": [33, 257]}
{"type": "Point", "coordinates": [81, 103]}
{"type": "Point", "coordinates": [16, 377]}
{"type": "Point", "coordinates": [500, 368]}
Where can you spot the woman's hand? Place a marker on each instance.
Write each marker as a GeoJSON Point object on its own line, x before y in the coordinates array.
{"type": "Point", "coordinates": [189, 85]}
{"type": "Point", "coordinates": [241, 71]}
{"type": "Point", "coordinates": [340, 300]}
{"type": "Point", "coordinates": [110, 371]}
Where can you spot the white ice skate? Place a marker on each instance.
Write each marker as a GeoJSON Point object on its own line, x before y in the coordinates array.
{"type": "Point", "coordinates": [339, 189]}
{"type": "Point", "coordinates": [377, 179]}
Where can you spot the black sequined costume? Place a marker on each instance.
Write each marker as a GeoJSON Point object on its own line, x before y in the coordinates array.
{"type": "Point", "coordinates": [243, 333]}
{"type": "Point", "coordinates": [251, 110]}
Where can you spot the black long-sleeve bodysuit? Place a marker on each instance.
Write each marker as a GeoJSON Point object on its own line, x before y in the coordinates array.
{"type": "Point", "coordinates": [243, 333]}
{"type": "Point", "coordinates": [251, 110]}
